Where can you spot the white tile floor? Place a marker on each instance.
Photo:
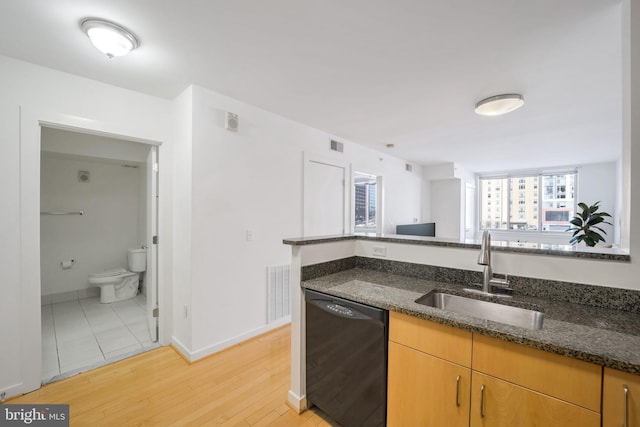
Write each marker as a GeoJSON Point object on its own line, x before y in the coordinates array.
{"type": "Point", "coordinates": [82, 334]}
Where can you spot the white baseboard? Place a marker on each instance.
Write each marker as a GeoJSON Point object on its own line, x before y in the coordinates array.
{"type": "Point", "coordinates": [13, 391]}
{"type": "Point", "coordinates": [181, 348]}
{"type": "Point", "coordinates": [192, 356]}
{"type": "Point", "coordinates": [297, 403]}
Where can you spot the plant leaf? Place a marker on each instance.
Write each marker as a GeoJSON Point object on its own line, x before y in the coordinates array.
{"type": "Point", "coordinates": [593, 220]}
{"type": "Point", "coordinates": [577, 222]}
{"type": "Point", "coordinates": [595, 236]}
{"type": "Point", "coordinates": [598, 228]}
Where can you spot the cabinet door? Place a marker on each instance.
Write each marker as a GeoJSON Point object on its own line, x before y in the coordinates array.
{"type": "Point", "coordinates": [566, 378]}
{"type": "Point", "coordinates": [497, 403]}
{"type": "Point", "coordinates": [424, 390]}
{"type": "Point", "coordinates": [621, 398]}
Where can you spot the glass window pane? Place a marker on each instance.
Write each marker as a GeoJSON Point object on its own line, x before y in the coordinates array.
{"type": "Point", "coordinates": [493, 209]}
{"type": "Point", "coordinates": [558, 201]}
{"type": "Point", "coordinates": [365, 202]}
{"type": "Point", "coordinates": [522, 213]}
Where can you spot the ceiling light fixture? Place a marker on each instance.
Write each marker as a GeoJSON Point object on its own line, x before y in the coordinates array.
{"type": "Point", "coordinates": [108, 37]}
{"type": "Point", "coordinates": [499, 104]}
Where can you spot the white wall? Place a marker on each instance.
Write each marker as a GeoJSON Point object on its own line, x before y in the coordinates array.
{"type": "Point", "coordinates": [444, 198]}
{"type": "Point", "coordinates": [446, 209]}
{"type": "Point", "coordinates": [85, 144]}
{"type": "Point", "coordinates": [597, 182]}
{"type": "Point", "coordinates": [44, 93]}
{"type": "Point", "coordinates": [97, 240]}
{"type": "Point", "coordinates": [250, 180]}
{"type": "Point", "coordinates": [182, 136]}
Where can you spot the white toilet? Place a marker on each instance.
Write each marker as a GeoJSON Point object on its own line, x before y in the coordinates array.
{"type": "Point", "coordinates": [119, 284]}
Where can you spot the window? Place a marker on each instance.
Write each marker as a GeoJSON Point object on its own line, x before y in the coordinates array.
{"type": "Point", "coordinates": [365, 202]}
{"type": "Point", "coordinates": [520, 206]}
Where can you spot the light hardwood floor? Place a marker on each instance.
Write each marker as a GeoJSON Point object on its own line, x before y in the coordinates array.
{"type": "Point", "coordinates": [245, 385]}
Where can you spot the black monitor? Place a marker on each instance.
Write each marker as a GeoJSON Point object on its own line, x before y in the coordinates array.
{"type": "Point", "coordinates": [425, 229]}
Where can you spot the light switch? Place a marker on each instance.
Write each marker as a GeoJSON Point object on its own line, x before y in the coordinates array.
{"type": "Point", "coordinates": [249, 235]}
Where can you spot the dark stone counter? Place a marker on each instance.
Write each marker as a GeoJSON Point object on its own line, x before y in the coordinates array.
{"type": "Point", "coordinates": [602, 335]}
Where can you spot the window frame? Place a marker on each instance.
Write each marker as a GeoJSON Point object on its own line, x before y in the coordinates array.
{"type": "Point", "coordinates": [516, 177]}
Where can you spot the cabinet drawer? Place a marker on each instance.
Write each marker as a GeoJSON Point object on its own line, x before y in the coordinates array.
{"type": "Point", "coordinates": [616, 404]}
{"type": "Point", "coordinates": [563, 377]}
{"type": "Point", "coordinates": [503, 404]}
{"type": "Point", "coordinates": [438, 340]}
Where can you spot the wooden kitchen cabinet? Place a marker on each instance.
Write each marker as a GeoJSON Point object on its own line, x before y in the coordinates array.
{"type": "Point", "coordinates": [618, 403]}
{"type": "Point", "coordinates": [442, 341]}
{"type": "Point", "coordinates": [498, 403]}
{"type": "Point", "coordinates": [429, 373]}
{"type": "Point", "coordinates": [562, 377]}
{"type": "Point", "coordinates": [424, 390]}
{"type": "Point", "coordinates": [514, 385]}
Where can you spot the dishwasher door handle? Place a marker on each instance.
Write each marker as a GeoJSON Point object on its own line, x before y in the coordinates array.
{"type": "Point", "coordinates": [338, 309]}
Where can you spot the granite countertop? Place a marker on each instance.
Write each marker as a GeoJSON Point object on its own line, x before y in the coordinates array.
{"type": "Point", "coordinates": [598, 335]}
{"type": "Point", "coordinates": [609, 254]}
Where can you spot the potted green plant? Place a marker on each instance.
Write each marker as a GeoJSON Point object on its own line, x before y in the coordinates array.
{"type": "Point", "coordinates": [586, 223]}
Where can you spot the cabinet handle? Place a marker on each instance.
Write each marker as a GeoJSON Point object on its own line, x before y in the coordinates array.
{"type": "Point", "coordinates": [482, 401]}
{"type": "Point", "coordinates": [625, 388]}
{"type": "Point", "coordinates": [458, 390]}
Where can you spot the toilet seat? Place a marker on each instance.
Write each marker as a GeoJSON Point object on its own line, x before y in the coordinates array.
{"type": "Point", "coordinates": [109, 276]}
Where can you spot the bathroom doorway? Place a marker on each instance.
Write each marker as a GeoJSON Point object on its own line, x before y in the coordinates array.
{"type": "Point", "coordinates": [98, 204]}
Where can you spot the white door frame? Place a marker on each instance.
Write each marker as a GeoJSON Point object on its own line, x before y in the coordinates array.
{"type": "Point", "coordinates": [31, 122]}
{"type": "Point", "coordinates": [151, 275]}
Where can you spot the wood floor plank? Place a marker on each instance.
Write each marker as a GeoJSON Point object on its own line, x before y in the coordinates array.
{"type": "Point", "coordinates": [245, 385]}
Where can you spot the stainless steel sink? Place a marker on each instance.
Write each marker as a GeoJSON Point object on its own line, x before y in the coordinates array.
{"type": "Point", "coordinates": [507, 314]}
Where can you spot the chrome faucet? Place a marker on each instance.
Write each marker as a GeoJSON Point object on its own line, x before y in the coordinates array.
{"type": "Point", "coordinates": [484, 258]}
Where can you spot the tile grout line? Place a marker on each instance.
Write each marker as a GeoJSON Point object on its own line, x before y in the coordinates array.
{"type": "Point", "coordinates": [127, 326]}
{"type": "Point", "coordinates": [92, 330]}
{"type": "Point", "coordinates": [55, 337]}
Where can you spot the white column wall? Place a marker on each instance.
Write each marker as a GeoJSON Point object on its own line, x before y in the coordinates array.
{"type": "Point", "coordinates": [182, 112]}
{"type": "Point", "coordinates": [251, 181]}
{"type": "Point", "coordinates": [631, 125]}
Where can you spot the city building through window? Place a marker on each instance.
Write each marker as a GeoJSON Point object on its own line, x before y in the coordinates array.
{"type": "Point", "coordinates": [515, 203]}
{"type": "Point", "coordinates": [365, 192]}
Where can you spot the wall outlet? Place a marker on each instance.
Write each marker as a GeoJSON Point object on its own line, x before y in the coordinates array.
{"type": "Point", "coordinates": [380, 251]}
{"type": "Point", "coordinates": [249, 235]}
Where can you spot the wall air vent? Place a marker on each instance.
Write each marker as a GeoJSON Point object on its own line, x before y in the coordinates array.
{"type": "Point", "coordinates": [408, 167]}
{"type": "Point", "coordinates": [337, 146]}
{"type": "Point", "coordinates": [231, 122]}
{"type": "Point", "coordinates": [278, 292]}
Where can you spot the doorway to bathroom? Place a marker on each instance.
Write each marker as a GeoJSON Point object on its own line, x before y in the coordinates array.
{"type": "Point", "coordinates": [98, 253]}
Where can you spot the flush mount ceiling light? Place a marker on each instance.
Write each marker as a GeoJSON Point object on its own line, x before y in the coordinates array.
{"type": "Point", "coordinates": [499, 104]}
{"type": "Point", "coordinates": [108, 37]}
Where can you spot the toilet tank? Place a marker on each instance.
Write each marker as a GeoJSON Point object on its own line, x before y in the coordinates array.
{"type": "Point", "coordinates": [137, 259]}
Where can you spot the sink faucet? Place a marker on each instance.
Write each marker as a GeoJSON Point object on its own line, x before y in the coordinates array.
{"type": "Point", "coordinates": [484, 258]}
{"type": "Point", "coordinates": [488, 281]}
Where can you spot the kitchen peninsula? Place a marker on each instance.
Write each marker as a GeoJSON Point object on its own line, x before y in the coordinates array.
{"type": "Point", "coordinates": [590, 306]}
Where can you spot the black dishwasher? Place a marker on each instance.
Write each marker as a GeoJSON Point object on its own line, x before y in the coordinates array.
{"type": "Point", "coordinates": [346, 347]}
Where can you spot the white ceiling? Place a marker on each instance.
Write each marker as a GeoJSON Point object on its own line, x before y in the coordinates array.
{"type": "Point", "coordinates": [403, 72]}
